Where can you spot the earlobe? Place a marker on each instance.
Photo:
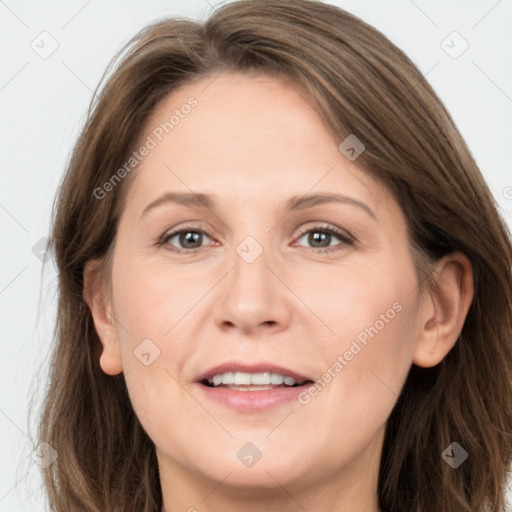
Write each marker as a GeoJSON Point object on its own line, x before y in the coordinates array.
{"type": "Point", "coordinates": [445, 306]}
{"type": "Point", "coordinates": [96, 297]}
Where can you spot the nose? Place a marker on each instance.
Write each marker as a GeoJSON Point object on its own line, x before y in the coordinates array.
{"type": "Point", "coordinates": [253, 296]}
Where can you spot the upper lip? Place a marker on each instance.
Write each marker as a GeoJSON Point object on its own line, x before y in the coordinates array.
{"type": "Point", "coordinates": [260, 367]}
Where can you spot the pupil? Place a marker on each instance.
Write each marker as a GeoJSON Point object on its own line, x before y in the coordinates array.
{"type": "Point", "coordinates": [318, 236]}
{"type": "Point", "coordinates": [189, 237]}
{"type": "Point", "coordinates": [193, 236]}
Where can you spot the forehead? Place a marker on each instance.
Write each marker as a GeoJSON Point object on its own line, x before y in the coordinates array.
{"type": "Point", "coordinates": [245, 134]}
{"type": "Point", "coordinates": [261, 105]}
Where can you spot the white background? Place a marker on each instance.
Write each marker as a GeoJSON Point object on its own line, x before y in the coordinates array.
{"type": "Point", "coordinates": [43, 103]}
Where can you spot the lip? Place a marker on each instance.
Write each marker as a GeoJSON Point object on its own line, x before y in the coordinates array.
{"type": "Point", "coordinates": [252, 401]}
{"type": "Point", "coordinates": [259, 367]}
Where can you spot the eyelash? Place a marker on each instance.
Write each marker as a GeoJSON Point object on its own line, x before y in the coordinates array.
{"type": "Point", "coordinates": [346, 238]}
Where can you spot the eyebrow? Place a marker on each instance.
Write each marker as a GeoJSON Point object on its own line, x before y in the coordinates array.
{"type": "Point", "coordinates": [206, 201]}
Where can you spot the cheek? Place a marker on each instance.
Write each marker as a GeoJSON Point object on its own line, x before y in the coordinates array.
{"type": "Point", "coordinates": [362, 300]}
{"type": "Point", "coordinates": [367, 368]}
{"type": "Point", "coordinates": [371, 355]}
{"type": "Point", "coordinates": [373, 325]}
{"type": "Point", "coordinates": [150, 301]}
{"type": "Point", "coordinates": [154, 309]}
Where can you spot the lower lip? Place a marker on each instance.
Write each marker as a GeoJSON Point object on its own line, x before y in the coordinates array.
{"type": "Point", "coordinates": [252, 401]}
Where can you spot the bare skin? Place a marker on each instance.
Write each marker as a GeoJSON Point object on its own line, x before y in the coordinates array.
{"type": "Point", "coordinates": [253, 143]}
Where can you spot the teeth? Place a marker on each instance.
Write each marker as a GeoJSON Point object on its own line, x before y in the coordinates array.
{"type": "Point", "coordinates": [276, 379]}
{"type": "Point", "coordinates": [242, 378]}
{"type": "Point", "coordinates": [249, 388]}
{"type": "Point", "coordinates": [228, 378]}
{"type": "Point", "coordinates": [248, 379]}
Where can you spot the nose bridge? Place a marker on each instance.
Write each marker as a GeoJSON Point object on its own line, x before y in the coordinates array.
{"type": "Point", "coordinates": [251, 261]}
{"type": "Point", "coordinates": [251, 280]}
{"type": "Point", "coordinates": [252, 295]}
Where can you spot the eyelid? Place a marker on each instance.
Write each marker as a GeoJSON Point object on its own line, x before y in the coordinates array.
{"type": "Point", "coordinates": [345, 237]}
{"type": "Point", "coordinates": [340, 233]}
{"type": "Point", "coordinates": [167, 235]}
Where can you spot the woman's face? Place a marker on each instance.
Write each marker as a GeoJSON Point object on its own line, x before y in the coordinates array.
{"type": "Point", "coordinates": [271, 274]}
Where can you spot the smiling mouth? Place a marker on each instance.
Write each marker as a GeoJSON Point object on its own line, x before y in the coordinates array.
{"type": "Point", "coordinates": [249, 392]}
{"type": "Point", "coordinates": [240, 376]}
{"type": "Point", "coordinates": [254, 387]}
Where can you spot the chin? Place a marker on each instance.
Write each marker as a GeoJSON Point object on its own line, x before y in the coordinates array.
{"type": "Point", "coordinates": [263, 474]}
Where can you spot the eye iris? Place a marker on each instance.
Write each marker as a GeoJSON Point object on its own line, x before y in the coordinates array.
{"type": "Point", "coordinates": [193, 239]}
{"type": "Point", "coordinates": [190, 236]}
{"type": "Point", "coordinates": [318, 236]}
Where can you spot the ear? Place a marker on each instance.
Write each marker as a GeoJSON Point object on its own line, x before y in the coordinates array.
{"type": "Point", "coordinates": [96, 297]}
{"type": "Point", "coordinates": [445, 306]}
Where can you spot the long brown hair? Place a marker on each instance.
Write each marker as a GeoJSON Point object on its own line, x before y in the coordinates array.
{"type": "Point", "coordinates": [360, 83]}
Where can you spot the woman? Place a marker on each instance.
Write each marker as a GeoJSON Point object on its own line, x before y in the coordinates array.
{"type": "Point", "coordinates": [284, 283]}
